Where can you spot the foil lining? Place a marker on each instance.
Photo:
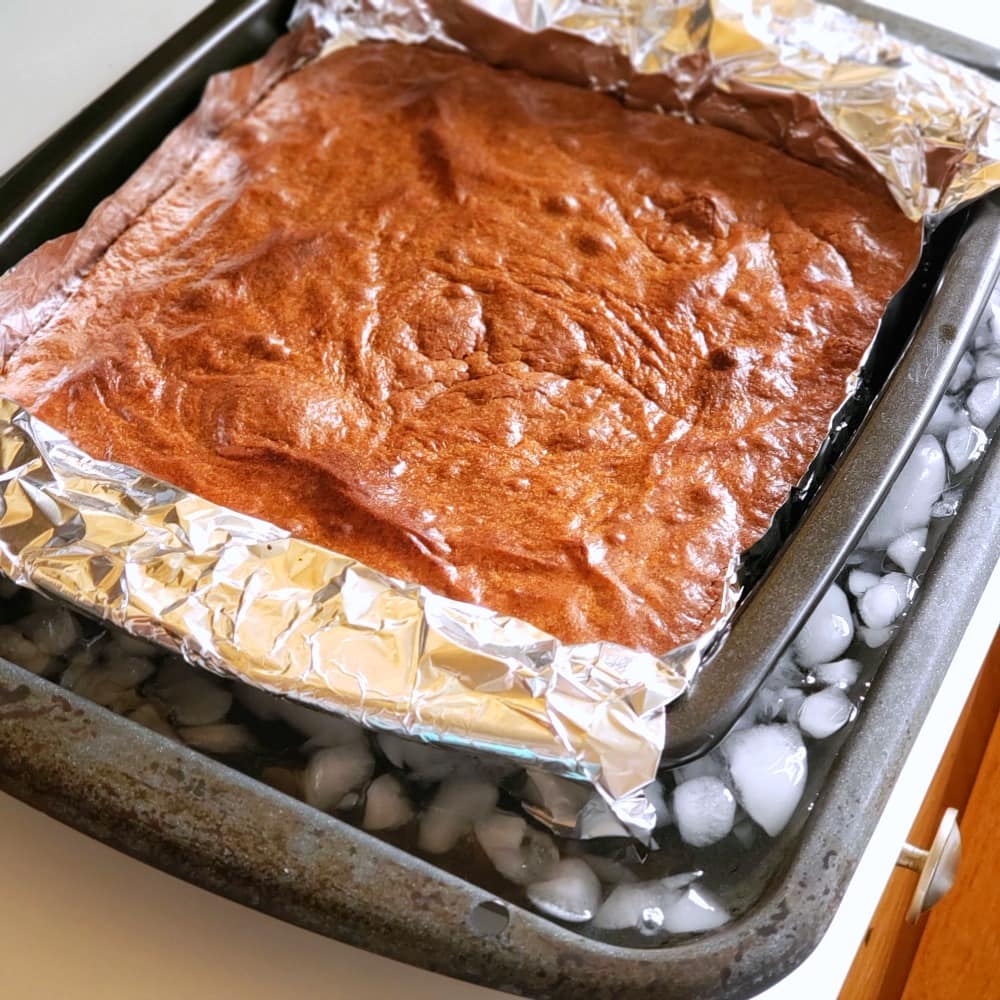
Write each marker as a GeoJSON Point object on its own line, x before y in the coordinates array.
{"type": "Point", "coordinates": [242, 598]}
{"type": "Point", "coordinates": [826, 86]}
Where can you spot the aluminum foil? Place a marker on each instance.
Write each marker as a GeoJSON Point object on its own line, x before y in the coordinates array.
{"type": "Point", "coordinates": [822, 84]}
{"type": "Point", "coordinates": [242, 598]}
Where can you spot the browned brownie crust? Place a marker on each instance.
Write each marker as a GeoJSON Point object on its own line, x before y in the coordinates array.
{"type": "Point", "coordinates": [494, 334]}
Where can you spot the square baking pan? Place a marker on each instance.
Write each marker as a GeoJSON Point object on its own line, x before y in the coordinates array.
{"type": "Point", "coordinates": [209, 824]}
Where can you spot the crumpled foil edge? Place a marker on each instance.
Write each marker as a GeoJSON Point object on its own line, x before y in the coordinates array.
{"type": "Point", "coordinates": [824, 85]}
{"type": "Point", "coordinates": [243, 598]}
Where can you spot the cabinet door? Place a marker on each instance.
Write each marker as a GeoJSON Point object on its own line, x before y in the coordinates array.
{"type": "Point", "coordinates": [959, 951]}
{"type": "Point", "coordinates": [883, 962]}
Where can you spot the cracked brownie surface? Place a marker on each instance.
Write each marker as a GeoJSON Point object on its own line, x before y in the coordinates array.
{"type": "Point", "coordinates": [494, 334]}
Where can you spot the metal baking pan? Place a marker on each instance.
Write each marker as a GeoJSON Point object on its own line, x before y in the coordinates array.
{"type": "Point", "coordinates": [203, 821]}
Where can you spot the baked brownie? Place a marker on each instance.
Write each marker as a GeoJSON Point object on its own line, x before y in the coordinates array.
{"type": "Point", "coordinates": [487, 332]}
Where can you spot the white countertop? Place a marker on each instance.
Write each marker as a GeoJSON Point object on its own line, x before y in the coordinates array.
{"type": "Point", "coordinates": [80, 920]}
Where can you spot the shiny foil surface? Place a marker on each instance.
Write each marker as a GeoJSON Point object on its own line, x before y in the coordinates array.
{"type": "Point", "coordinates": [242, 598]}
{"type": "Point", "coordinates": [826, 86]}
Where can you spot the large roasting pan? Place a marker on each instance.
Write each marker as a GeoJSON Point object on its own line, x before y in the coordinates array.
{"type": "Point", "coordinates": [204, 822]}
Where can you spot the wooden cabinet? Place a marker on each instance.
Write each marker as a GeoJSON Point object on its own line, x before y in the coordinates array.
{"type": "Point", "coordinates": [923, 960]}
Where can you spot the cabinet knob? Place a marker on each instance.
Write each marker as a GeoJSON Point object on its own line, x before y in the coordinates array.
{"type": "Point", "coordinates": [936, 867]}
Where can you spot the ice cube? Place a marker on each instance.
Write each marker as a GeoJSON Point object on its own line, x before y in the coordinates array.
{"type": "Point", "coordinates": [322, 728]}
{"type": "Point", "coordinates": [218, 737]}
{"type": "Point", "coordinates": [53, 630]}
{"type": "Point", "coordinates": [827, 632]}
{"type": "Point", "coordinates": [519, 852]}
{"type": "Point", "coordinates": [964, 445]}
{"type": "Point", "coordinates": [949, 503]}
{"type": "Point", "coordinates": [988, 363]}
{"type": "Point", "coordinates": [426, 762]}
{"type": "Point", "coordinates": [639, 906]}
{"type": "Point", "coordinates": [883, 604]}
{"type": "Point", "coordinates": [387, 806]}
{"type": "Point", "coordinates": [455, 808]}
{"type": "Point", "coordinates": [904, 585]}
{"type": "Point", "coordinates": [192, 699]}
{"type": "Point", "coordinates": [778, 698]}
{"type": "Point", "coordinates": [825, 712]}
{"type": "Point", "coordinates": [988, 328]}
{"type": "Point", "coordinates": [16, 648]}
{"type": "Point", "coordinates": [174, 670]}
{"type": "Point", "coordinates": [534, 860]}
{"type": "Point", "coordinates": [768, 768]}
{"type": "Point", "coordinates": [129, 671]}
{"type": "Point", "coordinates": [908, 504]}
{"type": "Point", "coordinates": [841, 673]}
{"type": "Point", "coordinates": [704, 810]}
{"type": "Point", "coordinates": [99, 685]}
{"type": "Point", "coordinates": [766, 706]}
{"type": "Point", "coordinates": [984, 402]}
{"type": "Point", "coordinates": [791, 700]}
{"type": "Point", "coordinates": [79, 663]}
{"type": "Point", "coordinates": [334, 771]}
{"type": "Point", "coordinates": [125, 644]}
{"type": "Point", "coordinates": [500, 831]}
{"type": "Point", "coordinates": [907, 550]}
{"type": "Point", "coordinates": [860, 580]}
{"type": "Point", "coordinates": [873, 638]}
{"type": "Point", "coordinates": [572, 892]}
{"type": "Point", "coordinates": [696, 910]}
{"type": "Point", "coordinates": [948, 414]}
{"type": "Point", "coordinates": [963, 372]}
{"type": "Point", "coordinates": [440, 831]}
